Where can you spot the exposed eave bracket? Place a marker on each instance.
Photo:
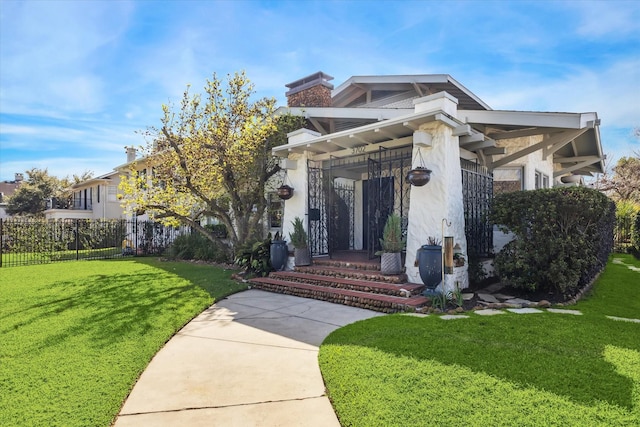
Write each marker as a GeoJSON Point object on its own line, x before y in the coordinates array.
{"type": "Point", "coordinates": [566, 136]}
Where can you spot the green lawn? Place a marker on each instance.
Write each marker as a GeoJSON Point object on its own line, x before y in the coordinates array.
{"type": "Point", "coordinates": [510, 369]}
{"type": "Point", "coordinates": [75, 336]}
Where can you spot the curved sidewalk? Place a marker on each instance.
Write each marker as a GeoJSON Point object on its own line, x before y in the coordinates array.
{"type": "Point", "coordinates": [248, 360]}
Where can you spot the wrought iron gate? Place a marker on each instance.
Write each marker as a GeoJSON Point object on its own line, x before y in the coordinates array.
{"type": "Point", "coordinates": [341, 216]}
{"type": "Point", "coordinates": [477, 190]}
{"type": "Point", "coordinates": [318, 224]}
{"type": "Point", "coordinates": [387, 192]}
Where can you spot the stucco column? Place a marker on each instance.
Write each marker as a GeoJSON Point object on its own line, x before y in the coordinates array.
{"type": "Point", "coordinates": [298, 175]}
{"type": "Point", "coordinates": [438, 204]}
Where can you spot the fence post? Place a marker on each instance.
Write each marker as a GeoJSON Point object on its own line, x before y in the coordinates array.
{"type": "Point", "coordinates": [1, 233]}
{"type": "Point", "coordinates": [77, 239]}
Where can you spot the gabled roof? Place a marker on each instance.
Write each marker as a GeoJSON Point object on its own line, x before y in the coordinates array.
{"type": "Point", "coordinates": [106, 178]}
{"type": "Point", "coordinates": [421, 84]}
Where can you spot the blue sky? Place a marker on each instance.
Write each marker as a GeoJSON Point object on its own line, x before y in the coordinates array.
{"type": "Point", "coordinates": [79, 78]}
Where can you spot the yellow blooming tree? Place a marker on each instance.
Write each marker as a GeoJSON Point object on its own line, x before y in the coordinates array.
{"type": "Point", "coordinates": [210, 158]}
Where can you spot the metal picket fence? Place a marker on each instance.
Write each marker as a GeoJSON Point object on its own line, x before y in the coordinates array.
{"type": "Point", "coordinates": [31, 241]}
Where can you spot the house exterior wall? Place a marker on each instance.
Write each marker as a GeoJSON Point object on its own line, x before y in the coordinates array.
{"type": "Point", "coordinates": [531, 162]}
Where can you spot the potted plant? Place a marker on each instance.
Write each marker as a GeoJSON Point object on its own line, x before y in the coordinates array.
{"type": "Point", "coordinates": [392, 244]}
{"type": "Point", "coordinates": [300, 244]}
{"type": "Point", "coordinates": [278, 252]}
{"type": "Point", "coordinates": [430, 263]}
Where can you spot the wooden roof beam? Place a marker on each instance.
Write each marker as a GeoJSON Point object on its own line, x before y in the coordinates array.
{"type": "Point", "coordinates": [564, 136]}
{"type": "Point", "coordinates": [580, 165]}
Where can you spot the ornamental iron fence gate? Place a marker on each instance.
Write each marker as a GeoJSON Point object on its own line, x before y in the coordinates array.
{"type": "Point", "coordinates": [30, 241]}
{"type": "Point", "coordinates": [477, 191]}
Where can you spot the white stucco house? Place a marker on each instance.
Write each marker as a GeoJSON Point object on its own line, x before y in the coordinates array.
{"type": "Point", "coordinates": [349, 166]}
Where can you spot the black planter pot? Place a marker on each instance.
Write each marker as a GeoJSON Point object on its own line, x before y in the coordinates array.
{"type": "Point", "coordinates": [419, 176]}
{"type": "Point", "coordinates": [285, 192]}
{"type": "Point", "coordinates": [430, 265]}
{"type": "Point", "coordinates": [279, 254]}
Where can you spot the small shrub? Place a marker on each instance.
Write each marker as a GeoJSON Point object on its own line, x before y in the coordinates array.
{"type": "Point", "coordinates": [255, 257]}
{"type": "Point", "coordinates": [197, 247]}
{"type": "Point", "coordinates": [218, 231]}
{"type": "Point", "coordinates": [563, 237]}
{"type": "Point", "coordinates": [392, 240]}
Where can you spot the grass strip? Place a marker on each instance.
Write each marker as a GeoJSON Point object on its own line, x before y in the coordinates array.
{"type": "Point", "coordinates": [617, 290]}
{"type": "Point", "coordinates": [543, 369]}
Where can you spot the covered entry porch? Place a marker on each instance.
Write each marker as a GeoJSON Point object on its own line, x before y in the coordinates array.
{"type": "Point", "coordinates": [347, 183]}
{"type": "Point", "coordinates": [350, 199]}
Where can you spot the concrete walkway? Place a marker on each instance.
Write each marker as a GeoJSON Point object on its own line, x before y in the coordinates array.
{"type": "Point", "coordinates": [248, 360]}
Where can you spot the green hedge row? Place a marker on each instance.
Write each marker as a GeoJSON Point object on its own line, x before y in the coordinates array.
{"type": "Point", "coordinates": [195, 246]}
{"type": "Point", "coordinates": [563, 237]}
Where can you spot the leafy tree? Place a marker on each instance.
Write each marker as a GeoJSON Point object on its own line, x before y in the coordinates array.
{"type": "Point", "coordinates": [30, 198]}
{"type": "Point", "coordinates": [624, 183]}
{"type": "Point", "coordinates": [211, 158]}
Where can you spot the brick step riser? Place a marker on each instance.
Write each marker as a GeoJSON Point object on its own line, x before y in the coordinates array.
{"type": "Point", "coordinates": [370, 275]}
{"type": "Point", "coordinates": [361, 302]}
{"type": "Point", "coordinates": [329, 284]}
{"type": "Point", "coordinates": [345, 264]}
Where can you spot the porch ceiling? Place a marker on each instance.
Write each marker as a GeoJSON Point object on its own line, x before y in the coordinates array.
{"type": "Point", "coordinates": [392, 133]}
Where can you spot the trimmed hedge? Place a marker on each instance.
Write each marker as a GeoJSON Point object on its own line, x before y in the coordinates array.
{"type": "Point", "coordinates": [563, 237]}
{"type": "Point", "coordinates": [195, 246]}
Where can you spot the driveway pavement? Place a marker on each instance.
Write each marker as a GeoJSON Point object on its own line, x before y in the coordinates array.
{"type": "Point", "coordinates": [248, 360]}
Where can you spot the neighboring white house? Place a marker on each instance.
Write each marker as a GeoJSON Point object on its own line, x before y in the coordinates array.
{"type": "Point", "coordinates": [349, 167]}
{"type": "Point", "coordinates": [7, 188]}
{"type": "Point", "coordinates": [95, 198]}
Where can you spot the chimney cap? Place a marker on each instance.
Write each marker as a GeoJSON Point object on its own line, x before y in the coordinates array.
{"type": "Point", "coordinates": [315, 79]}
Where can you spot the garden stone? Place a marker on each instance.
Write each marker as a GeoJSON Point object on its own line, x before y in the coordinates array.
{"type": "Point", "coordinates": [489, 312]}
{"type": "Point", "coordinates": [623, 319]}
{"type": "Point", "coordinates": [524, 310]}
{"type": "Point", "coordinates": [453, 316]}
{"type": "Point", "coordinates": [544, 303]}
{"type": "Point", "coordinates": [488, 298]}
{"type": "Point", "coordinates": [564, 311]}
{"type": "Point", "coordinates": [467, 296]}
{"type": "Point", "coordinates": [518, 301]}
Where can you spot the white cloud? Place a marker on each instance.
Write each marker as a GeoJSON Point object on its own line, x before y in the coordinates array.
{"type": "Point", "coordinates": [607, 18]}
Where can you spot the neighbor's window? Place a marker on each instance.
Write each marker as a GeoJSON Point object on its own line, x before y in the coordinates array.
{"type": "Point", "coordinates": [507, 180]}
{"type": "Point", "coordinates": [112, 193]}
{"type": "Point", "coordinates": [542, 180]}
{"type": "Point", "coordinates": [276, 211]}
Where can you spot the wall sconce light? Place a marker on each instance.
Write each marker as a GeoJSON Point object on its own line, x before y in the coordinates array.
{"type": "Point", "coordinates": [419, 175]}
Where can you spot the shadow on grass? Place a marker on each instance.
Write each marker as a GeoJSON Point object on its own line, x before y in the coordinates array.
{"type": "Point", "coordinates": [108, 307]}
{"type": "Point", "coordinates": [559, 354]}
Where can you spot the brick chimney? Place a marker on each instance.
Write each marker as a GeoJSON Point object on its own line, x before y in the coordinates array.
{"type": "Point", "coordinates": [311, 91]}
